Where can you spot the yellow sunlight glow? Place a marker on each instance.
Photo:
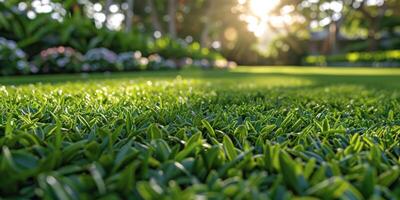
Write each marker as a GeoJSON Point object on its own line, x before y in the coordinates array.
{"type": "Point", "coordinates": [259, 15]}
{"type": "Point", "coordinates": [261, 8]}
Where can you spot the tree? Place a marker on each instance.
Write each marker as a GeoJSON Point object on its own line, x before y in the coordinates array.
{"type": "Point", "coordinates": [172, 8]}
{"type": "Point", "coordinates": [374, 17]}
{"type": "Point", "coordinates": [129, 15]}
{"type": "Point", "coordinates": [107, 7]}
{"type": "Point", "coordinates": [155, 21]}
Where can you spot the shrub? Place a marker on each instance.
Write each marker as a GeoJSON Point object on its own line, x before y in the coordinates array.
{"type": "Point", "coordinates": [101, 59]}
{"type": "Point", "coordinates": [156, 62]}
{"type": "Point", "coordinates": [185, 62]}
{"type": "Point", "coordinates": [132, 61]}
{"type": "Point", "coordinates": [355, 57]}
{"type": "Point", "coordinates": [203, 63]}
{"type": "Point", "coordinates": [170, 48]}
{"type": "Point", "coordinates": [170, 64]}
{"type": "Point", "coordinates": [12, 59]}
{"type": "Point", "coordinates": [59, 59]}
{"type": "Point", "coordinates": [220, 63]}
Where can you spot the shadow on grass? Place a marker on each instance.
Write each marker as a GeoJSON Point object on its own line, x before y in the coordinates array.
{"type": "Point", "coordinates": [386, 80]}
{"type": "Point", "coordinates": [319, 80]}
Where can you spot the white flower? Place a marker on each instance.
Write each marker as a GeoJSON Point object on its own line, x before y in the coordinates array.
{"type": "Point", "coordinates": [12, 45]}
{"type": "Point", "coordinates": [137, 55]}
{"type": "Point", "coordinates": [170, 64]}
{"type": "Point", "coordinates": [143, 61]}
{"type": "Point", "coordinates": [20, 53]}
{"type": "Point", "coordinates": [34, 69]}
{"type": "Point", "coordinates": [21, 65]}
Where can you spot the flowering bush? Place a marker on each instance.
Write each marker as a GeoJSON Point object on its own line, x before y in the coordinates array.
{"type": "Point", "coordinates": [156, 62]}
{"type": "Point", "coordinates": [101, 59]}
{"type": "Point", "coordinates": [59, 59]}
{"type": "Point", "coordinates": [12, 59]}
{"type": "Point", "coordinates": [66, 60]}
{"type": "Point", "coordinates": [223, 64]}
{"type": "Point", "coordinates": [185, 62]}
{"type": "Point", "coordinates": [216, 63]}
{"type": "Point", "coordinates": [170, 64]}
{"type": "Point", "coordinates": [203, 63]}
{"type": "Point", "coordinates": [132, 61]}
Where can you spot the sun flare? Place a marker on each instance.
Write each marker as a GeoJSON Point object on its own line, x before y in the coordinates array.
{"type": "Point", "coordinates": [260, 15]}
{"type": "Point", "coordinates": [262, 8]}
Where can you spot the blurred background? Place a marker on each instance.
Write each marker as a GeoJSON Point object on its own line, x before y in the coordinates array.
{"type": "Point", "coordinates": [138, 34]}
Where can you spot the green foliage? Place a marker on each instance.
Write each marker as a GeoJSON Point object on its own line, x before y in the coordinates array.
{"type": "Point", "coordinates": [12, 59]}
{"type": "Point", "coordinates": [132, 61]}
{"type": "Point", "coordinates": [67, 60]}
{"type": "Point", "coordinates": [216, 135]}
{"type": "Point", "coordinates": [356, 57]}
{"type": "Point", "coordinates": [80, 33]}
{"type": "Point", "coordinates": [101, 59]}
{"type": "Point", "coordinates": [59, 60]}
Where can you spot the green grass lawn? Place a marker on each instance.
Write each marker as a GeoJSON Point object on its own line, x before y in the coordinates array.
{"type": "Point", "coordinates": [248, 133]}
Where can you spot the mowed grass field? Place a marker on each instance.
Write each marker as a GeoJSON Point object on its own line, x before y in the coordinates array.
{"type": "Point", "coordinates": [248, 133]}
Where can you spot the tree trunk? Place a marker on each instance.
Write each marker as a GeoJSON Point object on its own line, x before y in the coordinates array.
{"type": "Point", "coordinates": [129, 15]}
{"type": "Point", "coordinates": [72, 8]}
{"type": "Point", "coordinates": [204, 40]}
{"type": "Point", "coordinates": [107, 7]}
{"type": "Point", "coordinates": [172, 7]}
{"type": "Point", "coordinates": [154, 17]}
{"type": "Point", "coordinates": [373, 42]}
{"type": "Point", "coordinates": [333, 37]}
{"type": "Point", "coordinates": [373, 22]}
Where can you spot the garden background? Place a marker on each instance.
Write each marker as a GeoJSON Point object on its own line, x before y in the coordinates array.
{"type": "Point", "coordinates": [43, 36]}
